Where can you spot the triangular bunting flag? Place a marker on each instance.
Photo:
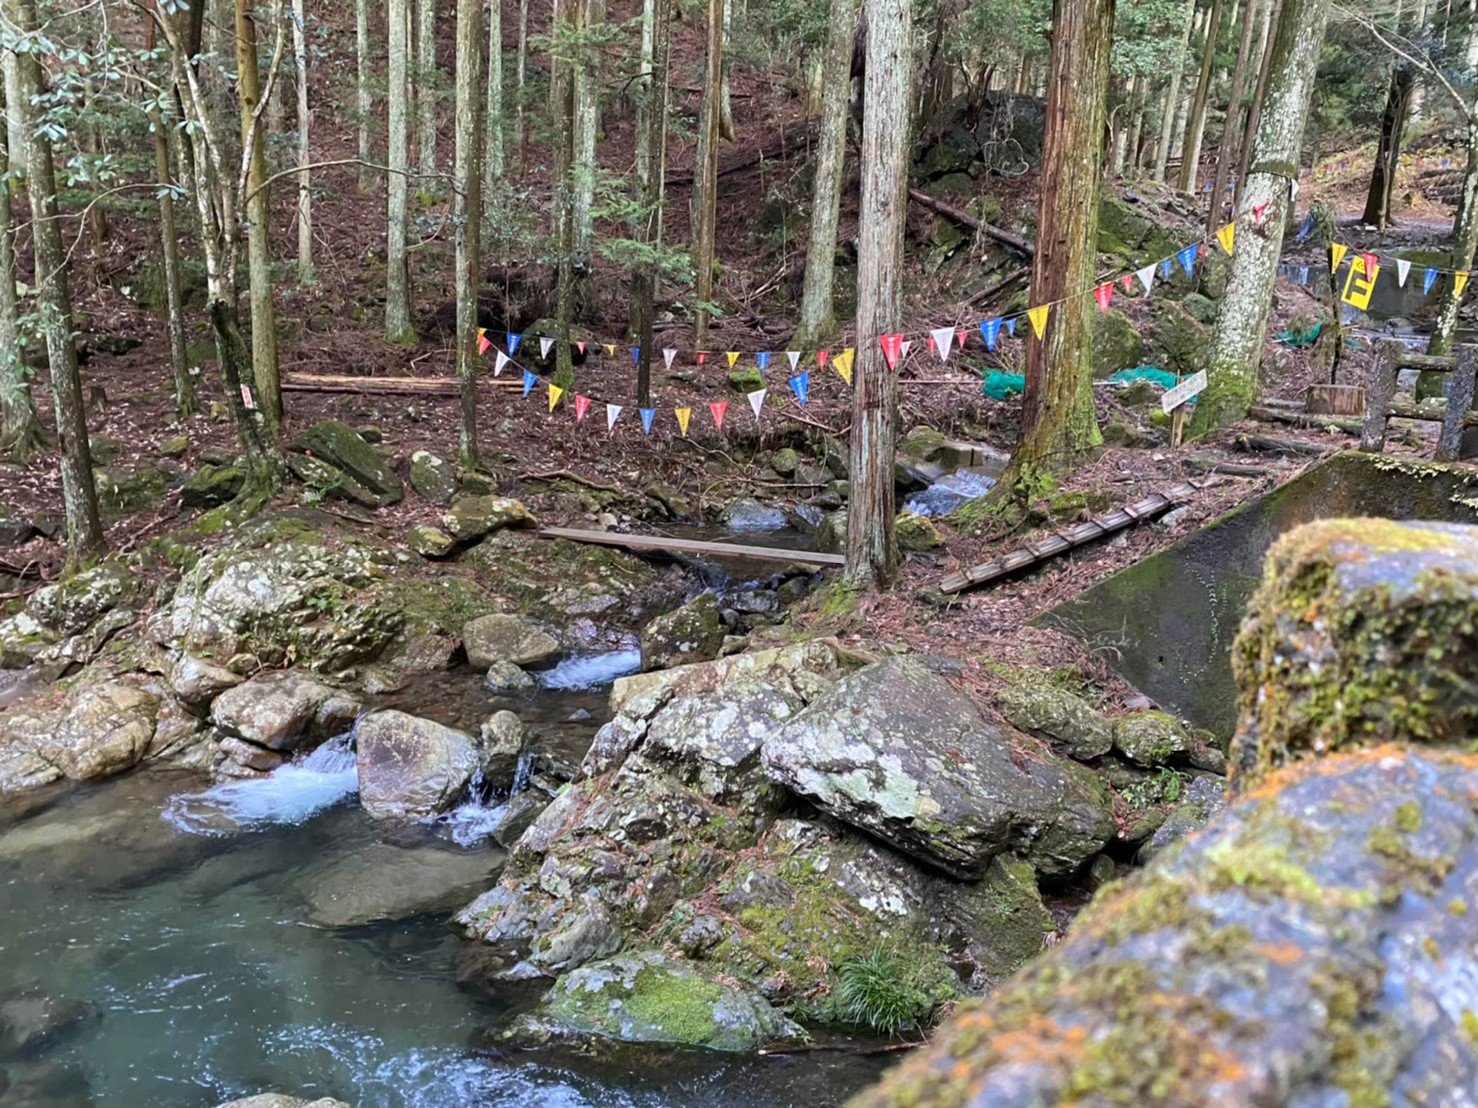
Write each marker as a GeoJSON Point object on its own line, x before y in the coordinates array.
{"type": "Point", "coordinates": [582, 405]}
{"type": "Point", "coordinates": [1146, 278]}
{"type": "Point", "coordinates": [544, 345]}
{"type": "Point", "coordinates": [647, 415]}
{"type": "Point", "coordinates": [892, 347]}
{"type": "Point", "coordinates": [842, 363]}
{"type": "Point", "coordinates": [1369, 262]}
{"type": "Point", "coordinates": [1428, 278]}
{"type": "Point", "coordinates": [683, 415]}
{"type": "Point", "coordinates": [1336, 255]}
{"type": "Point", "coordinates": [529, 379]}
{"type": "Point", "coordinates": [800, 384]}
{"type": "Point", "coordinates": [1165, 267]}
{"type": "Point", "coordinates": [718, 408]}
{"type": "Point", "coordinates": [1459, 281]}
{"type": "Point", "coordinates": [1011, 326]}
{"type": "Point", "coordinates": [499, 362]}
{"type": "Point", "coordinates": [990, 330]}
{"type": "Point", "coordinates": [636, 355]}
{"type": "Point", "coordinates": [757, 398]}
{"type": "Point", "coordinates": [1403, 268]}
{"type": "Point", "coordinates": [1126, 281]}
{"type": "Point", "coordinates": [1103, 294]}
{"type": "Point", "coordinates": [903, 348]}
{"type": "Point", "coordinates": [944, 338]}
{"type": "Point", "coordinates": [483, 346]}
{"type": "Point", "coordinates": [762, 359]}
{"type": "Point", "coordinates": [580, 346]}
{"type": "Point", "coordinates": [733, 356]}
{"type": "Point", "coordinates": [795, 359]}
{"type": "Point", "coordinates": [610, 348]}
{"type": "Point", "coordinates": [960, 337]}
{"type": "Point", "coordinates": [613, 413]}
{"type": "Point", "coordinates": [1188, 259]}
{"type": "Point", "coordinates": [822, 357]}
{"type": "Point", "coordinates": [668, 354]}
{"type": "Point", "coordinates": [555, 392]}
{"type": "Point", "coordinates": [513, 340]}
{"type": "Point", "coordinates": [1038, 316]}
{"type": "Point", "coordinates": [702, 356]}
{"type": "Point", "coordinates": [1227, 236]}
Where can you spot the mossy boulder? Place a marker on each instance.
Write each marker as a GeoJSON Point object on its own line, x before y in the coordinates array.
{"type": "Point", "coordinates": [1058, 716]}
{"type": "Point", "coordinates": [434, 478]}
{"type": "Point", "coordinates": [1200, 308]}
{"type": "Point", "coordinates": [1174, 340]}
{"type": "Point", "coordinates": [1117, 343]}
{"type": "Point", "coordinates": [430, 542]}
{"type": "Point", "coordinates": [693, 633]}
{"type": "Point", "coordinates": [916, 533]}
{"type": "Point", "coordinates": [746, 380]}
{"type": "Point", "coordinates": [122, 490]}
{"type": "Point", "coordinates": [210, 486]}
{"type": "Point", "coordinates": [1132, 234]}
{"type": "Point", "coordinates": [369, 479]}
{"type": "Point", "coordinates": [1151, 738]}
{"type": "Point", "coordinates": [472, 517]}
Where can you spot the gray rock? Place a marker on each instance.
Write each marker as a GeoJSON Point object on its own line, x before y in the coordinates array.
{"type": "Point", "coordinates": [211, 486]}
{"type": "Point", "coordinates": [433, 477]}
{"type": "Point", "coordinates": [508, 638]}
{"type": "Point", "coordinates": [519, 815]}
{"type": "Point", "coordinates": [1058, 716]}
{"type": "Point", "coordinates": [1204, 798]}
{"type": "Point", "coordinates": [471, 517]}
{"type": "Point", "coordinates": [784, 461]}
{"type": "Point", "coordinates": [507, 679]}
{"type": "Point", "coordinates": [338, 445]}
{"type": "Point", "coordinates": [1151, 738]}
{"type": "Point", "coordinates": [198, 682]}
{"type": "Point", "coordinates": [411, 767]}
{"type": "Point", "coordinates": [501, 741]}
{"type": "Point", "coordinates": [105, 728]}
{"type": "Point", "coordinates": [32, 1022]}
{"type": "Point", "coordinates": [385, 882]}
{"type": "Point", "coordinates": [895, 750]}
{"type": "Point", "coordinates": [693, 633]}
{"type": "Point", "coordinates": [747, 514]}
{"type": "Point", "coordinates": [430, 542]}
{"type": "Point", "coordinates": [284, 711]}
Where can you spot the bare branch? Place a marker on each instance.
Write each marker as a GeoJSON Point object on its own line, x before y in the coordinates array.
{"type": "Point", "coordinates": [1408, 51]}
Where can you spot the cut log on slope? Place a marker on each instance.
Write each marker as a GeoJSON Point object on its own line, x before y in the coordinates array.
{"type": "Point", "coordinates": [426, 386]}
{"type": "Point", "coordinates": [965, 219]}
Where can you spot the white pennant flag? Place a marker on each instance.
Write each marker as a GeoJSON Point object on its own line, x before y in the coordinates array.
{"type": "Point", "coordinates": [795, 361]}
{"type": "Point", "coordinates": [612, 411]}
{"type": "Point", "coordinates": [544, 345]}
{"type": "Point", "coordinates": [1403, 267]}
{"type": "Point", "coordinates": [1147, 277]}
{"type": "Point", "coordinates": [943, 336]}
{"type": "Point", "coordinates": [669, 353]}
{"type": "Point", "coordinates": [499, 362]}
{"type": "Point", "coordinates": [757, 398]}
{"type": "Point", "coordinates": [903, 349]}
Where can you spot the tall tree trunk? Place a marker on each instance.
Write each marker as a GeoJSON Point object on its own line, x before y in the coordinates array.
{"type": "Point", "coordinates": [397, 279]}
{"type": "Point", "coordinates": [1388, 152]}
{"type": "Point", "coordinates": [15, 134]}
{"type": "Point", "coordinates": [523, 60]}
{"type": "Point", "coordinates": [493, 119]}
{"type": "Point", "coordinates": [305, 177]}
{"type": "Point", "coordinates": [20, 429]}
{"type": "Point", "coordinates": [653, 144]}
{"type": "Point", "coordinates": [705, 175]}
{"type": "Point", "coordinates": [1195, 126]}
{"type": "Point", "coordinates": [1231, 130]}
{"type": "Point", "coordinates": [258, 211]}
{"type": "Point", "coordinates": [1464, 247]}
{"type": "Point", "coordinates": [1058, 423]}
{"type": "Point", "coordinates": [1131, 163]}
{"type": "Point", "coordinates": [566, 13]}
{"type": "Point", "coordinates": [587, 129]}
{"type": "Point", "coordinates": [1240, 331]}
{"type": "Point", "coordinates": [725, 101]}
{"type": "Point", "coordinates": [872, 557]}
{"type": "Point", "coordinates": [1172, 95]}
{"type": "Point", "coordinates": [185, 400]}
{"type": "Point", "coordinates": [364, 103]}
{"type": "Point", "coordinates": [642, 91]}
{"type": "Point", "coordinates": [428, 82]}
{"type": "Point", "coordinates": [817, 324]}
{"type": "Point", "coordinates": [467, 210]}
{"type": "Point", "coordinates": [1254, 112]}
{"type": "Point", "coordinates": [54, 314]}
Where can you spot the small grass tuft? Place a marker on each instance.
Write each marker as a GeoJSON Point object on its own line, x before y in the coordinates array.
{"type": "Point", "coordinates": [878, 990]}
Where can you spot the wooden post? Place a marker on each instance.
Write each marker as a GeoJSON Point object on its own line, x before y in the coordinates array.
{"type": "Point", "coordinates": [1459, 400]}
{"type": "Point", "coordinates": [1177, 425]}
{"type": "Point", "coordinates": [1382, 389]}
{"type": "Point", "coordinates": [1176, 401]}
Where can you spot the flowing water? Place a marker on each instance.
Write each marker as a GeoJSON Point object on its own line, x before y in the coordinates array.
{"type": "Point", "coordinates": [218, 937]}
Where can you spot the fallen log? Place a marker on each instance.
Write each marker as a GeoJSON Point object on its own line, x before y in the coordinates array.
{"type": "Point", "coordinates": [1232, 469]}
{"type": "Point", "coordinates": [965, 219]}
{"type": "Point", "coordinates": [1271, 444]}
{"type": "Point", "coordinates": [408, 386]}
{"type": "Point", "coordinates": [1299, 418]}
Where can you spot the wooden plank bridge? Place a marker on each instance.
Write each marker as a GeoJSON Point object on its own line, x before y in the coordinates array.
{"type": "Point", "coordinates": [693, 546]}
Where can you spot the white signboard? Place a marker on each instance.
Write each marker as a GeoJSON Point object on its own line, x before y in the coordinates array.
{"type": "Point", "coordinates": [1174, 398]}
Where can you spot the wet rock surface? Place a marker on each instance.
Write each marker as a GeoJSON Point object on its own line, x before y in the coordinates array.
{"type": "Point", "coordinates": [693, 633]}
{"type": "Point", "coordinates": [411, 767]}
{"type": "Point", "coordinates": [386, 882]}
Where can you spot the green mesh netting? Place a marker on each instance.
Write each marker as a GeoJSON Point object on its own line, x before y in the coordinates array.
{"type": "Point", "coordinates": [1144, 373]}
{"type": "Point", "coordinates": [1002, 386]}
{"type": "Point", "coordinates": [1297, 339]}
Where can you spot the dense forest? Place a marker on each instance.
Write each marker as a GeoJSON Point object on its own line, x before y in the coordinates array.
{"type": "Point", "coordinates": [876, 551]}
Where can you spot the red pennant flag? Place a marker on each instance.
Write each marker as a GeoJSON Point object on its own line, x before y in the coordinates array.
{"type": "Point", "coordinates": [581, 404]}
{"type": "Point", "coordinates": [1370, 261]}
{"type": "Point", "coordinates": [960, 337]}
{"type": "Point", "coordinates": [1103, 294]}
{"type": "Point", "coordinates": [580, 346]}
{"type": "Point", "coordinates": [702, 356]}
{"type": "Point", "coordinates": [933, 347]}
{"type": "Point", "coordinates": [892, 348]}
{"type": "Point", "coordinates": [821, 356]}
{"type": "Point", "coordinates": [483, 346]}
{"type": "Point", "coordinates": [1127, 280]}
{"type": "Point", "coordinates": [718, 409]}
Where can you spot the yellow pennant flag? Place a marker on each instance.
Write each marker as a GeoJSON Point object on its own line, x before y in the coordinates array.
{"type": "Point", "coordinates": [1336, 255]}
{"type": "Point", "coordinates": [683, 415]}
{"type": "Point", "coordinates": [1038, 316]}
{"type": "Point", "coordinates": [1227, 236]}
{"type": "Point", "coordinates": [843, 363]}
{"type": "Point", "coordinates": [610, 348]}
{"type": "Point", "coordinates": [733, 356]}
{"type": "Point", "coordinates": [555, 392]}
{"type": "Point", "coordinates": [1459, 281]}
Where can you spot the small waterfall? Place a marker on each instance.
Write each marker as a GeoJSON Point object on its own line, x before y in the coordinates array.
{"type": "Point", "coordinates": [291, 794]}
{"type": "Point", "coordinates": [471, 823]}
{"type": "Point", "coordinates": [949, 492]}
{"type": "Point", "coordinates": [590, 671]}
{"type": "Point", "coordinates": [523, 773]}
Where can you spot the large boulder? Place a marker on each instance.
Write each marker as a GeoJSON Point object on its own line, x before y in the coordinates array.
{"type": "Point", "coordinates": [501, 637]}
{"type": "Point", "coordinates": [693, 633]}
{"type": "Point", "coordinates": [471, 517]}
{"type": "Point", "coordinates": [410, 767]}
{"type": "Point", "coordinates": [434, 478]}
{"type": "Point", "coordinates": [895, 750]}
{"type": "Point", "coordinates": [103, 727]}
{"type": "Point", "coordinates": [1058, 716]}
{"type": "Point", "coordinates": [284, 711]}
{"type": "Point", "coordinates": [385, 882]}
{"type": "Point", "coordinates": [368, 478]}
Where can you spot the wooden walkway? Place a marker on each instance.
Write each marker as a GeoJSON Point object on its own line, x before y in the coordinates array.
{"type": "Point", "coordinates": [693, 546]}
{"type": "Point", "coordinates": [1060, 542]}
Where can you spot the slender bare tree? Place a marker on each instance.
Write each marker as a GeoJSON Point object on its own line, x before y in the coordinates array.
{"type": "Point", "coordinates": [397, 277]}
{"type": "Point", "coordinates": [467, 212]}
{"type": "Point", "coordinates": [306, 273]}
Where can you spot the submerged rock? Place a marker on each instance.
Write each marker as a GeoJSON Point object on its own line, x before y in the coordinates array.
{"type": "Point", "coordinates": [693, 633]}
{"type": "Point", "coordinates": [507, 679]}
{"type": "Point", "coordinates": [411, 767]}
{"type": "Point", "coordinates": [895, 750]}
{"type": "Point", "coordinates": [278, 1100]}
{"type": "Point", "coordinates": [30, 1023]}
{"type": "Point", "coordinates": [385, 882]}
{"type": "Point", "coordinates": [508, 638]}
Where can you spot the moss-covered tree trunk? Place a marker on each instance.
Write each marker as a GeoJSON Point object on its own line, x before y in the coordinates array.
{"type": "Point", "coordinates": [817, 323]}
{"type": "Point", "coordinates": [1176, 64]}
{"type": "Point", "coordinates": [492, 159]}
{"type": "Point", "coordinates": [467, 214]}
{"type": "Point", "coordinates": [186, 401]}
{"type": "Point", "coordinates": [54, 313]}
{"type": "Point", "coordinates": [652, 140]}
{"type": "Point", "coordinates": [428, 80]}
{"type": "Point", "coordinates": [587, 130]}
{"type": "Point", "coordinates": [1195, 124]}
{"type": "Point", "coordinates": [397, 278]}
{"type": "Point", "coordinates": [258, 216]}
{"type": "Point", "coordinates": [1240, 331]}
{"type": "Point", "coordinates": [20, 429]}
{"type": "Point", "coordinates": [1058, 424]}
{"type": "Point", "coordinates": [705, 174]}
{"type": "Point", "coordinates": [1254, 110]}
{"type": "Point", "coordinates": [872, 557]}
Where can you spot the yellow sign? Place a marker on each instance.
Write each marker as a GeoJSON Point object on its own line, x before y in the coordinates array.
{"type": "Point", "coordinates": [1359, 285]}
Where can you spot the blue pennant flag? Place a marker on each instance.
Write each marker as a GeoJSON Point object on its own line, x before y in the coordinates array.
{"type": "Point", "coordinates": [513, 341]}
{"type": "Point", "coordinates": [636, 355]}
{"type": "Point", "coordinates": [763, 358]}
{"type": "Point", "coordinates": [1188, 259]}
{"type": "Point", "coordinates": [800, 384]}
{"type": "Point", "coordinates": [647, 415]}
{"type": "Point", "coordinates": [1427, 279]}
{"type": "Point", "coordinates": [1165, 268]}
{"type": "Point", "coordinates": [1011, 326]}
{"type": "Point", "coordinates": [990, 330]}
{"type": "Point", "coordinates": [529, 378]}
{"type": "Point", "coordinates": [1305, 229]}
